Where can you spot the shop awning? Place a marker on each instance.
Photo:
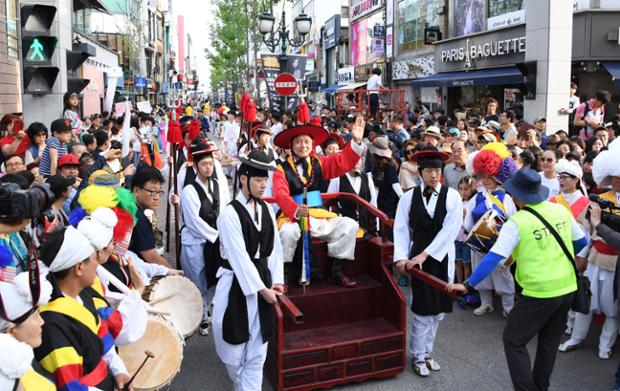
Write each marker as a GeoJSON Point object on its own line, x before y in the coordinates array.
{"type": "Point", "coordinates": [483, 77]}
{"type": "Point", "coordinates": [332, 89]}
{"type": "Point", "coordinates": [613, 67]}
{"type": "Point", "coordinates": [351, 87]}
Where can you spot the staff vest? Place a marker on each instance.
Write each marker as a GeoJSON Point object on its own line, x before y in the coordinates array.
{"type": "Point", "coordinates": [542, 267]}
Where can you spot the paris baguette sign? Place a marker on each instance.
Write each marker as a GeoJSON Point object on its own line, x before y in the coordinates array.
{"type": "Point", "coordinates": [481, 51]}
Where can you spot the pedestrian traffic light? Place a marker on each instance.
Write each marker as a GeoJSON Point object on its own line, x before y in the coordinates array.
{"type": "Point", "coordinates": [75, 58]}
{"type": "Point", "coordinates": [528, 70]}
{"type": "Point", "coordinates": [38, 46]}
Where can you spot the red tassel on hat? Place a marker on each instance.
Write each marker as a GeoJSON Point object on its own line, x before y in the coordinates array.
{"type": "Point", "coordinates": [303, 112]}
{"type": "Point", "coordinates": [250, 113]}
{"type": "Point", "coordinates": [194, 129]}
{"type": "Point", "coordinates": [316, 120]}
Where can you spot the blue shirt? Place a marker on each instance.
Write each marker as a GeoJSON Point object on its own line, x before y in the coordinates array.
{"type": "Point", "coordinates": [46, 161]}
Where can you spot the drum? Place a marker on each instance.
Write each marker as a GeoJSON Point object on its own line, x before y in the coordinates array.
{"type": "Point", "coordinates": [179, 297]}
{"type": "Point", "coordinates": [164, 341]}
{"type": "Point", "coordinates": [484, 233]}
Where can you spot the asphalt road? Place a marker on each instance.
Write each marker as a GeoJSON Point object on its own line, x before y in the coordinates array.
{"type": "Point", "coordinates": [468, 348]}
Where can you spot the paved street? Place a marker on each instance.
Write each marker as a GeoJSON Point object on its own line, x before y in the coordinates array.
{"type": "Point", "coordinates": [469, 349]}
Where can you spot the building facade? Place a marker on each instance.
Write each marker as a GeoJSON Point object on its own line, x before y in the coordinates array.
{"type": "Point", "coordinates": [10, 67]}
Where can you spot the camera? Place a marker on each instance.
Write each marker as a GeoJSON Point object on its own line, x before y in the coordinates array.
{"type": "Point", "coordinates": [610, 213]}
{"type": "Point", "coordinates": [17, 204]}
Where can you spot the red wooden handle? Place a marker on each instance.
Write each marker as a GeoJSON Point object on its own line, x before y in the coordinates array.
{"type": "Point", "coordinates": [291, 309]}
{"type": "Point", "coordinates": [431, 280]}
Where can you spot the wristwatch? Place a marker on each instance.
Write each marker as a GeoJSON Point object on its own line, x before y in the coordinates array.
{"type": "Point", "coordinates": [468, 286]}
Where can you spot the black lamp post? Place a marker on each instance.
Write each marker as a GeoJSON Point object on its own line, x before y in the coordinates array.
{"type": "Point", "coordinates": [281, 37]}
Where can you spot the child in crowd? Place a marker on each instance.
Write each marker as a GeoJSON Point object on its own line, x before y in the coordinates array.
{"type": "Point", "coordinates": [55, 146]}
{"type": "Point", "coordinates": [467, 189]}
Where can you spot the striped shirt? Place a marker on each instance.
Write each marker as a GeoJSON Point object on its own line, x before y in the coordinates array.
{"type": "Point", "coordinates": [46, 161]}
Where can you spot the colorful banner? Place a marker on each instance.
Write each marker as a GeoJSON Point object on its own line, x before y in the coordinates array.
{"type": "Point", "coordinates": [358, 45]}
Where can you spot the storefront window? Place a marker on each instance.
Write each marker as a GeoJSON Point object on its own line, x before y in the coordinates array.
{"type": "Point", "coordinates": [365, 48]}
{"type": "Point", "coordinates": [413, 15]}
{"type": "Point", "coordinates": [11, 29]}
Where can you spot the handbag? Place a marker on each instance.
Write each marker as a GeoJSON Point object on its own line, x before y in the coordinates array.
{"type": "Point", "coordinates": [583, 296]}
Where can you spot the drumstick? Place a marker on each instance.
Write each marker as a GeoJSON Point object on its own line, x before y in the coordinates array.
{"type": "Point", "coordinates": [112, 279]}
{"type": "Point", "coordinates": [149, 354]}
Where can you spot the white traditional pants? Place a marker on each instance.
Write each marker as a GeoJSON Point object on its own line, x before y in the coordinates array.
{"type": "Point", "coordinates": [244, 362]}
{"type": "Point", "coordinates": [193, 264]}
{"type": "Point", "coordinates": [339, 233]}
{"type": "Point", "coordinates": [423, 333]}
{"type": "Point", "coordinates": [602, 287]}
{"type": "Point", "coordinates": [500, 280]}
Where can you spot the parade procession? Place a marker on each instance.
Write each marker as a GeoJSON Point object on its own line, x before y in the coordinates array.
{"type": "Point", "coordinates": [296, 195]}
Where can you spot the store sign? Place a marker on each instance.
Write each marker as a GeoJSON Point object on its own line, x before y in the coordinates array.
{"type": "Point", "coordinates": [501, 48]}
{"type": "Point", "coordinates": [359, 8]}
{"type": "Point", "coordinates": [378, 47]}
{"type": "Point", "coordinates": [331, 32]}
{"type": "Point", "coordinates": [378, 31]}
{"type": "Point", "coordinates": [506, 20]}
{"type": "Point", "coordinates": [413, 68]}
{"type": "Point", "coordinates": [346, 75]}
{"type": "Point", "coordinates": [389, 43]}
{"type": "Point", "coordinates": [363, 72]}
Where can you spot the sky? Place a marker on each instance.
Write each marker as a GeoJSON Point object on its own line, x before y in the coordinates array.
{"type": "Point", "coordinates": [198, 15]}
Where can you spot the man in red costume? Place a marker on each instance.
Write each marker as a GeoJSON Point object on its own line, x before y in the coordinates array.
{"type": "Point", "coordinates": [302, 170]}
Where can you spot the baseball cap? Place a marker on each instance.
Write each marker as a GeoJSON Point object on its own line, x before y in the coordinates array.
{"type": "Point", "coordinates": [58, 184]}
{"type": "Point", "coordinates": [68, 159]}
{"type": "Point", "coordinates": [538, 119]}
{"type": "Point", "coordinates": [454, 132]}
{"type": "Point", "coordinates": [61, 125]}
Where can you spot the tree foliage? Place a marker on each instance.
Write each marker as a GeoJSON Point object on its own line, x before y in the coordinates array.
{"type": "Point", "coordinates": [233, 34]}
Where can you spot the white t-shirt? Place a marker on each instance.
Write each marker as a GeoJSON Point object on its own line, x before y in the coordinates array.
{"type": "Point", "coordinates": [552, 184]}
{"type": "Point", "coordinates": [374, 83]}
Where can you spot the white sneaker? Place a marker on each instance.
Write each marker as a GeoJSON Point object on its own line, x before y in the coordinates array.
{"type": "Point", "coordinates": [420, 368]}
{"type": "Point", "coordinates": [432, 364]}
{"type": "Point", "coordinates": [569, 330]}
{"type": "Point", "coordinates": [484, 309]}
{"type": "Point", "coordinates": [505, 314]}
{"type": "Point", "coordinates": [204, 328]}
{"type": "Point", "coordinates": [604, 355]}
{"type": "Point", "coordinates": [569, 345]}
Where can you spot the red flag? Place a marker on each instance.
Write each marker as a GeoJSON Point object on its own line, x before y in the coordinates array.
{"type": "Point", "coordinates": [194, 129]}
{"type": "Point", "coordinates": [245, 99]}
{"type": "Point", "coordinates": [249, 115]}
{"type": "Point", "coordinates": [303, 112]}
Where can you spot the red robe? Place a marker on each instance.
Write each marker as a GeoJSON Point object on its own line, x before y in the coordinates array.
{"type": "Point", "coordinates": [332, 166]}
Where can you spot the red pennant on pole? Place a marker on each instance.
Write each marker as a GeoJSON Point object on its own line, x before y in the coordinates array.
{"type": "Point", "coordinates": [249, 115]}
{"type": "Point", "coordinates": [245, 99]}
{"type": "Point", "coordinates": [303, 112]}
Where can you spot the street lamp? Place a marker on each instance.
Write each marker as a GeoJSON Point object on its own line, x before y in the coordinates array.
{"type": "Point", "coordinates": [271, 38]}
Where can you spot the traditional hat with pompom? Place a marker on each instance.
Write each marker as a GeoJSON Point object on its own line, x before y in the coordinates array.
{"type": "Point", "coordinates": [494, 160]}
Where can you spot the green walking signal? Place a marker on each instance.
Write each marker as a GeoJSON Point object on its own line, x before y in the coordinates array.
{"type": "Point", "coordinates": [35, 52]}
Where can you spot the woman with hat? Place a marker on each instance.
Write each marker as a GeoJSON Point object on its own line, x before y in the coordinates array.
{"type": "Point", "coordinates": [492, 166]}
{"type": "Point", "coordinates": [428, 220]}
{"type": "Point", "coordinates": [201, 202]}
{"type": "Point", "coordinates": [548, 287]}
{"type": "Point", "coordinates": [297, 185]}
{"type": "Point", "coordinates": [20, 331]}
{"type": "Point", "coordinates": [385, 176]}
{"type": "Point", "coordinates": [250, 278]}
{"type": "Point", "coordinates": [572, 197]}
{"type": "Point", "coordinates": [333, 144]}
{"type": "Point", "coordinates": [602, 264]}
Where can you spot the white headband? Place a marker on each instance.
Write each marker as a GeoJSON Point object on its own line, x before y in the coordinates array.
{"type": "Point", "coordinates": [17, 298]}
{"type": "Point", "coordinates": [75, 248]}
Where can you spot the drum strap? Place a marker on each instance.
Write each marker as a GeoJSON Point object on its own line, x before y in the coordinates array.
{"type": "Point", "coordinates": [498, 203]}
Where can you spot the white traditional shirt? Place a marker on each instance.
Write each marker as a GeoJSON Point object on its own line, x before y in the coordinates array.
{"type": "Point", "coordinates": [443, 243]}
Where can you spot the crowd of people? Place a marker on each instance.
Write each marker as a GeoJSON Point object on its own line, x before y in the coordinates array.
{"type": "Point", "coordinates": [81, 200]}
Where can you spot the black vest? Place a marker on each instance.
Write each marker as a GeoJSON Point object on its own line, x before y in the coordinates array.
{"type": "Point", "coordinates": [209, 210]}
{"type": "Point", "coordinates": [351, 208]}
{"type": "Point", "coordinates": [294, 183]}
{"type": "Point", "coordinates": [423, 229]}
{"type": "Point", "coordinates": [236, 329]}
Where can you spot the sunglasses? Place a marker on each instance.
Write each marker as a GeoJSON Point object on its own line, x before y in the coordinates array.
{"type": "Point", "coordinates": [565, 177]}
{"type": "Point", "coordinates": [409, 151]}
{"type": "Point", "coordinates": [547, 159]}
